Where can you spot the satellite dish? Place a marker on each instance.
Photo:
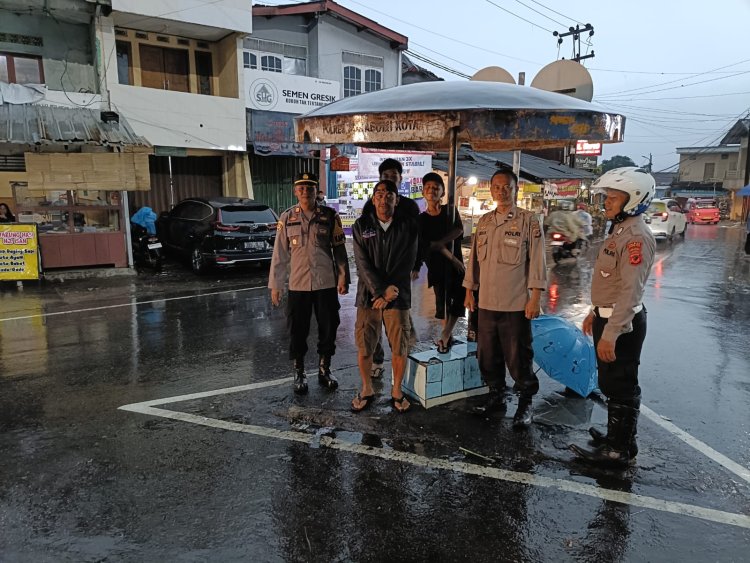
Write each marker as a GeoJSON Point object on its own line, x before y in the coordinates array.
{"type": "Point", "coordinates": [565, 77]}
{"type": "Point", "coordinates": [493, 74]}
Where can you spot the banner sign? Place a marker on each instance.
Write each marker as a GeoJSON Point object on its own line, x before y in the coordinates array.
{"type": "Point", "coordinates": [291, 93]}
{"type": "Point", "coordinates": [19, 252]}
{"type": "Point", "coordinates": [272, 133]}
{"type": "Point", "coordinates": [563, 189]}
{"type": "Point", "coordinates": [416, 164]}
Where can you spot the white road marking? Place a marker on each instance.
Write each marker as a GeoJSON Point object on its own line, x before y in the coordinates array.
{"type": "Point", "coordinates": [642, 501]}
{"type": "Point", "coordinates": [708, 451]}
{"type": "Point", "coordinates": [721, 517]}
{"type": "Point", "coordinates": [129, 304]}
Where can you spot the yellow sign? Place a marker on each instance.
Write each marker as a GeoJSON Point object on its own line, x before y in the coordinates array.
{"type": "Point", "coordinates": [19, 252]}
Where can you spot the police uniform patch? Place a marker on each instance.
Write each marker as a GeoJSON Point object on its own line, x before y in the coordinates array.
{"type": "Point", "coordinates": [634, 250]}
{"type": "Point", "coordinates": [338, 232]}
{"type": "Point", "coordinates": [536, 232]}
{"type": "Point", "coordinates": [612, 245]}
{"type": "Point", "coordinates": [279, 226]}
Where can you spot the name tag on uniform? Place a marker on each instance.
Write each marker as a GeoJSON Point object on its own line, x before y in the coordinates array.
{"type": "Point", "coordinates": [511, 242]}
{"type": "Point", "coordinates": [369, 233]}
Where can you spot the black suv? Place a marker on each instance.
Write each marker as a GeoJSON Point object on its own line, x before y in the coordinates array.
{"type": "Point", "coordinates": [221, 231]}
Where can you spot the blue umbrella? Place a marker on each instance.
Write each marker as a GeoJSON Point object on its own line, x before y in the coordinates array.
{"type": "Point", "coordinates": [564, 353]}
{"type": "Point", "coordinates": [744, 191]}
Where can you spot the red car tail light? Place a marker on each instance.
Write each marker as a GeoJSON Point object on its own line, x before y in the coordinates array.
{"type": "Point", "coordinates": [664, 216]}
{"type": "Point", "coordinates": [222, 227]}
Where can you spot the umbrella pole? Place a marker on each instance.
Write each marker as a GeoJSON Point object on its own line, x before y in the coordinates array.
{"type": "Point", "coordinates": [451, 215]}
{"type": "Point", "coordinates": [452, 157]}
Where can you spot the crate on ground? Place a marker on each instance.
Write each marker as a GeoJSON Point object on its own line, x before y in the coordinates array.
{"type": "Point", "coordinates": [435, 379]}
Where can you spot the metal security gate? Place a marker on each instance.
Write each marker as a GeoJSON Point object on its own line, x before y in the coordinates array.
{"type": "Point", "coordinates": [273, 176]}
{"type": "Point", "coordinates": [191, 176]}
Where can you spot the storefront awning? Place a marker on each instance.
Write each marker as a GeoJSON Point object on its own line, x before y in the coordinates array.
{"type": "Point", "coordinates": [484, 165]}
{"type": "Point", "coordinates": [28, 125]}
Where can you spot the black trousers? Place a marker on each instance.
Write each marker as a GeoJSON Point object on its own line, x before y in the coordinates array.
{"type": "Point", "coordinates": [300, 306]}
{"type": "Point", "coordinates": [619, 380]}
{"type": "Point", "coordinates": [504, 338]}
{"type": "Point", "coordinates": [747, 244]}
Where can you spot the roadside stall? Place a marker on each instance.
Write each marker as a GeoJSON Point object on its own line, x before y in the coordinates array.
{"type": "Point", "coordinates": [77, 165]}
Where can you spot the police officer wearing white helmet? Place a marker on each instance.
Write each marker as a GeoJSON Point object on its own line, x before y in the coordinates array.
{"type": "Point", "coordinates": [617, 319]}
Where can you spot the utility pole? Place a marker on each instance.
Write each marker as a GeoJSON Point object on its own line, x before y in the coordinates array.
{"type": "Point", "coordinates": [576, 33]}
{"type": "Point", "coordinates": [649, 166]}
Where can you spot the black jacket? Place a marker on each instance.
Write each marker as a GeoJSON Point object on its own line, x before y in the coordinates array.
{"type": "Point", "coordinates": [384, 257]}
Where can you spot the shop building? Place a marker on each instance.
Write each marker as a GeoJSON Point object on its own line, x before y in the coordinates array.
{"type": "Point", "coordinates": [176, 74]}
{"type": "Point", "coordinates": [298, 57]}
{"type": "Point", "coordinates": [64, 164]}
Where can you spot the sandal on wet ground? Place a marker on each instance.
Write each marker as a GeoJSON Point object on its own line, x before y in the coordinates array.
{"type": "Point", "coordinates": [443, 348]}
{"type": "Point", "coordinates": [399, 405]}
{"type": "Point", "coordinates": [368, 399]}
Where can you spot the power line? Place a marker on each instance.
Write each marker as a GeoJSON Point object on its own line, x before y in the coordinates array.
{"type": "Point", "coordinates": [436, 64]}
{"type": "Point", "coordinates": [434, 34]}
{"type": "Point", "coordinates": [657, 72]}
{"type": "Point", "coordinates": [201, 5]}
{"type": "Point", "coordinates": [444, 56]}
{"type": "Point", "coordinates": [673, 81]}
{"type": "Point", "coordinates": [693, 97]}
{"type": "Point", "coordinates": [540, 13]}
{"type": "Point", "coordinates": [614, 98]}
{"type": "Point", "coordinates": [517, 16]}
{"type": "Point", "coordinates": [554, 12]}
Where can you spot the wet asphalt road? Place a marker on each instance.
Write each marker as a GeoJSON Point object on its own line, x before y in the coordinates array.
{"type": "Point", "coordinates": [255, 474]}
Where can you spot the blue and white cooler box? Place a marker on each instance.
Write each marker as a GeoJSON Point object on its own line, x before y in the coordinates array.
{"type": "Point", "coordinates": [435, 379]}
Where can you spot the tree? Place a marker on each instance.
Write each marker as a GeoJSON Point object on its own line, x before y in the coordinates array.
{"type": "Point", "coordinates": [617, 161]}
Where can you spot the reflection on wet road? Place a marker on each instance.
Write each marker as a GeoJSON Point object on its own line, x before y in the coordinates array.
{"type": "Point", "coordinates": [311, 481]}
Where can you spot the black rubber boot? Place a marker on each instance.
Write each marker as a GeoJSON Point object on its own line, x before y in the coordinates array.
{"type": "Point", "coordinates": [599, 438]}
{"type": "Point", "coordinates": [522, 418]}
{"type": "Point", "coordinates": [300, 378]}
{"type": "Point", "coordinates": [495, 402]}
{"type": "Point", "coordinates": [622, 422]}
{"type": "Point", "coordinates": [324, 373]}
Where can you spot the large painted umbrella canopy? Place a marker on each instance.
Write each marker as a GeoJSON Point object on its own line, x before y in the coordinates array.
{"type": "Point", "coordinates": [490, 116]}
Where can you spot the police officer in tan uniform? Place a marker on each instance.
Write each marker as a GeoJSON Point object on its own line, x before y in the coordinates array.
{"type": "Point", "coordinates": [618, 318]}
{"type": "Point", "coordinates": [309, 253]}
{"type": "Point", "coordinates": [508, 266]}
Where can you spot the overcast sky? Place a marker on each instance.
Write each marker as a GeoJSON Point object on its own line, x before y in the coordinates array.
{"type": "Point", "coordinates": [688, 59]}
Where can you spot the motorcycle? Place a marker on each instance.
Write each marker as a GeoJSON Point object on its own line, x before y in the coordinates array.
{"type": "Point", "coordinates": [147, 248]}
{"type": "Point", "coordinates": [563, 247]}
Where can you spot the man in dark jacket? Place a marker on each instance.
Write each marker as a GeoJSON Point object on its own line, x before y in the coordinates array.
{"type": "Point", "coordinates": [390, 169]}
{"type": "Point", "coordinates": [385, 250]}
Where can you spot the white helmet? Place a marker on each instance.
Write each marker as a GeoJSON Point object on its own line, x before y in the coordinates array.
{"type": "Point", "coordinates": [634, 181]}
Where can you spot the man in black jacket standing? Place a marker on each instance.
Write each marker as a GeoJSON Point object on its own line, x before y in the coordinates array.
{"type": "Point", "coordinates": [385, 250]}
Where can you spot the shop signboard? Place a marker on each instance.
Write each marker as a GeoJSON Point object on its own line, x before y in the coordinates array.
{"type": "Point", "coordinates": [340, 164]}
{"type": "Point", "coordinates": [584, 148]}
{"type": "Point", "coordinates": [586, 162]}
{"type": "Point", "coordinates": [19, 252]}
{"type": "Point", "coordinates": [564, 189]}
{"type": "Point", "coordinates": [289, 93]}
